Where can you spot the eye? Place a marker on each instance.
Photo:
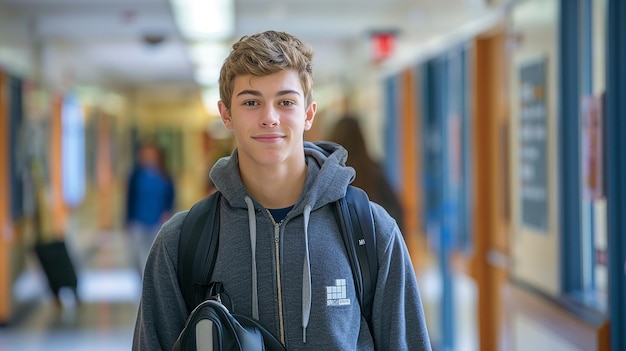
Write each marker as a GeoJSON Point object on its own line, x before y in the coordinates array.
{"type": "Point", "coordinates": [286, 103]}
{"type": "Point", "coordinates": [250, 103]}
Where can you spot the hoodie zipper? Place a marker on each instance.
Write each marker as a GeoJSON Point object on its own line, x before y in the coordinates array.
{"type": "Point", "coordinates": [281, 322]}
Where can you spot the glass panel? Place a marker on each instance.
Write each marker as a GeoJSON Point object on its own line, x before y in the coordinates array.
{"type": "Point", "coordinates": [598, 46]}
{"type": "Point", "coordinates": [594, 232]}
{"type": "Point", "coordinates": [73, 146]}
{"type": "Point", "coordinates": [599, 207]}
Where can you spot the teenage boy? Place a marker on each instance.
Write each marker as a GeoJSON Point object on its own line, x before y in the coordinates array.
{"type": "Point", "coordinates": [278, 194]}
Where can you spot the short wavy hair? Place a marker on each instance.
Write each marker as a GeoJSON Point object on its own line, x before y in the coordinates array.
{"type": "Point", "coordinates": [263, 54]}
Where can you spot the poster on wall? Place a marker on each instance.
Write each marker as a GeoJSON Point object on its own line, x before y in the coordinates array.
{"type": "Point", "coordinates": [533, 144]}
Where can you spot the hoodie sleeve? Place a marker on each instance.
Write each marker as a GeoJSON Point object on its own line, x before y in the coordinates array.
{"type": "Point", "coordinates": [162, 312]}
{"type": "Point", "coordinates": [398, 315]}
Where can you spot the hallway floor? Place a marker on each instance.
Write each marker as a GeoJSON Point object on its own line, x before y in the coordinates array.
{"type": "Point", "coordinates": [109, 292]}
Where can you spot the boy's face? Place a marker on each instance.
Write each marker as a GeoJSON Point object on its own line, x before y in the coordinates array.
{"type": "Point", "coordinates": [268, 116]}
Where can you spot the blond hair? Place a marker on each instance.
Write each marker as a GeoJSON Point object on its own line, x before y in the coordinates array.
{"type": "Point", "coordinates": [263, 54]}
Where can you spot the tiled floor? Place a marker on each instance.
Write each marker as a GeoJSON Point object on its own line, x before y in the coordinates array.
{"type": "Point", "coordinates": [103, 320]}
{"type": "Point", "coordinates": [91, 326]}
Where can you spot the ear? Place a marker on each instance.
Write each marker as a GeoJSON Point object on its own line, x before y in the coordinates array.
{"type": "Point", "coordinates": [310, 115]}
{"type": "Point", "coordinates": [225, 115]}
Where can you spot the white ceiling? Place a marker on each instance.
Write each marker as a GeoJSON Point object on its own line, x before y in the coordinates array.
{"type": "Point", "coordinates": [103, 41]}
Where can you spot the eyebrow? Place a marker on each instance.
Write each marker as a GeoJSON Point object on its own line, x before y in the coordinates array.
{"type": "Point", "coordinates": [258, 93]}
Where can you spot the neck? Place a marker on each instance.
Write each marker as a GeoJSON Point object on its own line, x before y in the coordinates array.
{"type": "Point", "coordinates": [275, 187]}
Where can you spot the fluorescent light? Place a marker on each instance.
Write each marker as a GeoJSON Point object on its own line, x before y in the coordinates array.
{"type": "Point", "coordinates": [204, 19]}
{"type": "Point", "coordinates": [208, 58]}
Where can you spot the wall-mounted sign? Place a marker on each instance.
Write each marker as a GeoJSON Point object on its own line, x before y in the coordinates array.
{"type": "Point", "coordinates": [533, 135]}
{"type": "Point", "coordinates": [382, 44]}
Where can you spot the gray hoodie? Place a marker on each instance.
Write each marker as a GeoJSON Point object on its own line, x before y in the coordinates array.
{"type": "Point", "coordinates": [298, 280]}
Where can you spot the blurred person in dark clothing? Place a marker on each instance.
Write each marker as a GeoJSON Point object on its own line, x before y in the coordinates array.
{"type": "Point", "coordinates": [370, 175]}
{"type": "Point", "coordinates": [149, 202]}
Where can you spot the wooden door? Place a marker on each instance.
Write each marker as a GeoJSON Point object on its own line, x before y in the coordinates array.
{"type": "Point", "coordinates": [6, 231]}
{"type": "Point", "coordinates": [491, 217]}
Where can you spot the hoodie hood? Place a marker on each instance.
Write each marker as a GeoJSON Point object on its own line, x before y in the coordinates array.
{"type": "Point", "coordinates": [326, 181]}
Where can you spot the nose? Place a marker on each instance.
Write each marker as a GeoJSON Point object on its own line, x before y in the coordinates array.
{"type": "Point", "coordinates": [270, 118]}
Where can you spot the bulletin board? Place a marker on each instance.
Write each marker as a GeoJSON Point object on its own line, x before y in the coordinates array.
{"type": "Point", "coordinates": [532, 136]}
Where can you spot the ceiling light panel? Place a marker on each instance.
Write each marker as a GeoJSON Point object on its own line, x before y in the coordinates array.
{"type": "Point", "coordinates": [204, 19]}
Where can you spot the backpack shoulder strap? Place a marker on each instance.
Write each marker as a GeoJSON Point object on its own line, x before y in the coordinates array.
{"type": "Point", "coordinates": [198, 236]}
{"type": "Point", "coordinates": [356, 222]}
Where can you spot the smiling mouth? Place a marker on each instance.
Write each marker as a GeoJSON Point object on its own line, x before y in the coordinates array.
{"type": "Point", "coordinates": [268, 138]}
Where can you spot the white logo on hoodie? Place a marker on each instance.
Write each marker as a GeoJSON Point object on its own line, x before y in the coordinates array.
{"type": "Point", "coordinates": [336, 294]}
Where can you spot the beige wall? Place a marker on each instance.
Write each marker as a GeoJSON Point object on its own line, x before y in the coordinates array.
{"type": "Point", "coordinates": [534, 27]}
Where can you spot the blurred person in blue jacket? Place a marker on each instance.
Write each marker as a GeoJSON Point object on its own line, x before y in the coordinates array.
{"type": "Point", "coordinates": [149, 202]}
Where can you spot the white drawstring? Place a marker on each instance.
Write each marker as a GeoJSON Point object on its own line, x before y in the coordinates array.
{"type": "Point", "coordinates": [255, 287]}
{"type": "Point", "coordinates": [306, 276]}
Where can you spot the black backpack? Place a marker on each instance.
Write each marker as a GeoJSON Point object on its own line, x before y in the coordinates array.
{"type": "Point", "coordinates": [199, 236]}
